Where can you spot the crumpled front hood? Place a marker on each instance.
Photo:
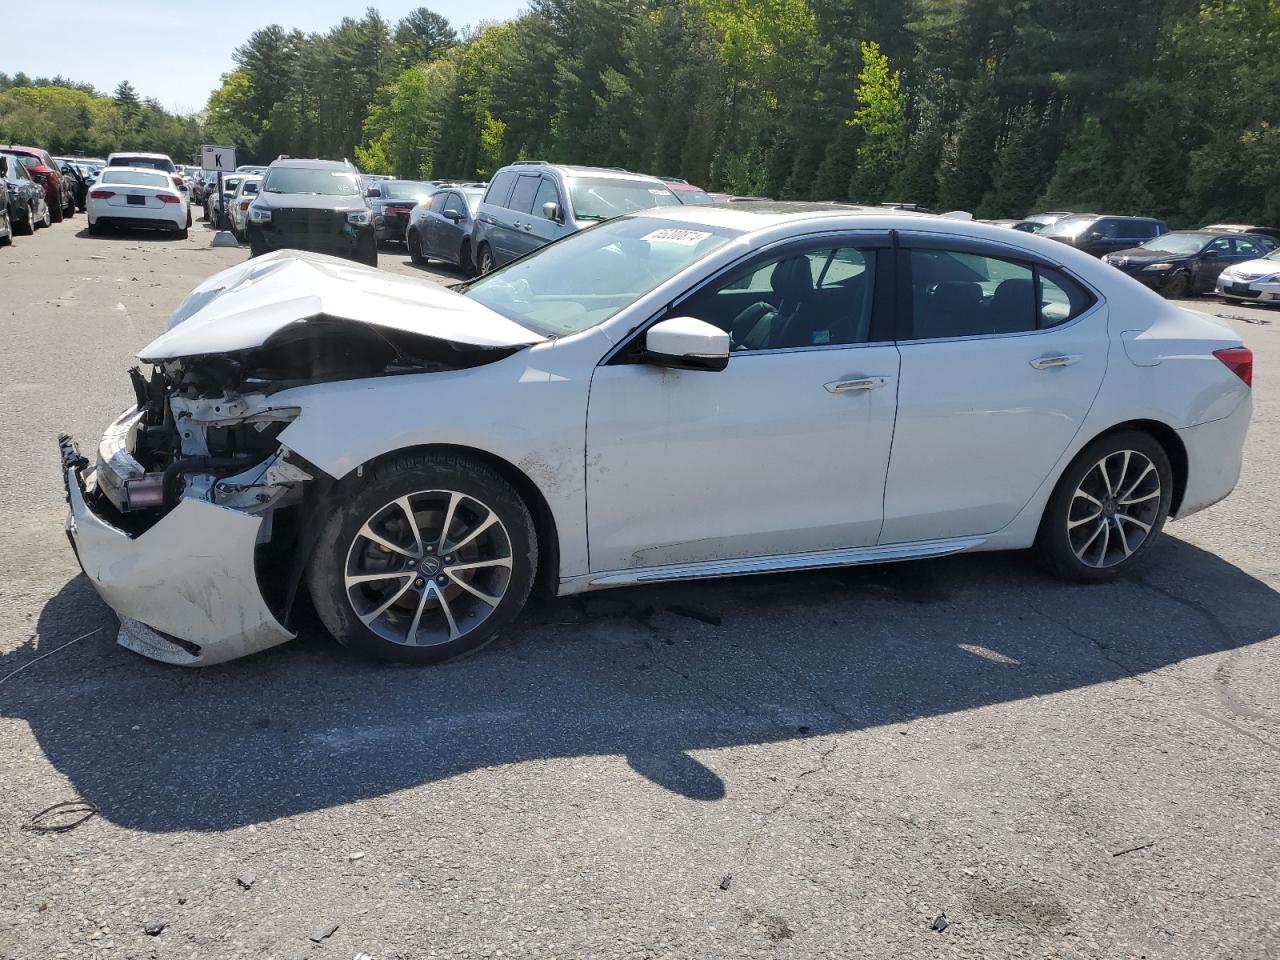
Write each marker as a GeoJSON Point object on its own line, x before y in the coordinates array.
{"type": "Point", "coordinates": [240, 308]}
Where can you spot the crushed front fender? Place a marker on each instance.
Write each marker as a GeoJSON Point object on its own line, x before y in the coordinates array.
{"type": "Point", "coordinates": [186, 590]}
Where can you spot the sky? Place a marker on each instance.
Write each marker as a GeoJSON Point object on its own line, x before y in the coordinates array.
{"type": "Point", "coordinates": [175, 52]}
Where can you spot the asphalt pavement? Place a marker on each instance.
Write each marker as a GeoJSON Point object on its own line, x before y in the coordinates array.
{"type": "Point", "coordinates": [811, 765]}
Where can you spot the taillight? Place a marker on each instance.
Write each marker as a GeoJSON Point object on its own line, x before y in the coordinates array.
{"type": "Point", "coordinates": [169, 198]}
{"type": "Point", "coordinates": [1239, 360]}
{"type": "Point", "coordinates": [244, 204]}
{"type": "Point", "coordinates": [177, 181]}
{"type": "Point", "coordinates": [102, 194]}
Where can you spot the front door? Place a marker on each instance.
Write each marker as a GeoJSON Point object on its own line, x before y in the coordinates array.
{"type": "Point", "coordinates": [1001, 361]}
{"type": "Point", "coordinates": [782, 452]}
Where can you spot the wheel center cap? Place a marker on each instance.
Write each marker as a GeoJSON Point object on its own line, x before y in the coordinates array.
{"type": "Point", "coordinates": [430, 566]}
{"type": "Point", "coordinates": [1109, 508]}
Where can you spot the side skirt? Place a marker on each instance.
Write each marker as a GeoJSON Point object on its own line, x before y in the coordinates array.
{"type": "Point", "coordinates": [746, 566]}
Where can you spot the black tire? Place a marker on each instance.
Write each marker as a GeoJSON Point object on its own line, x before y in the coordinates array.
{"type": "Point", "coordinates": [414, 242]}
{"type": "Point", "coordinates": [96, 230]}
{"type": "Point", "coordinates": [55, 211]}
{"type": "Point", "coordinates": [7, 239]}
{"type": "Point", "coordinates": [465, 263]}
{"type": "Point", "coordinates": [362, 500]}
{"type": "Point", "coordinates": [1177, 286]}
{"type": "Point", "coordinates": [256, 249]}
{"type": "Point", "coordinates": [28, 226]}
{"type": "Point", "coordinates": [485, 263]}
{"type": "Point", "coordinates": [70, 209]}
{"type": "Point", "coordinates": [369, 256]}
{"type": "Point", "coordinates": [183, 233]}
{"type": "Point", "coordinates": [1054, 546]}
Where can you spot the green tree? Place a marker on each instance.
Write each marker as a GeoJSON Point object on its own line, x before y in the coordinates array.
{"type": "Point", "coordinates": [881, 116]}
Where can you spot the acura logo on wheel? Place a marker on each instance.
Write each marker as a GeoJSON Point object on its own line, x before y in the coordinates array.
{"type": "Point", "coordinates": [430, 566]}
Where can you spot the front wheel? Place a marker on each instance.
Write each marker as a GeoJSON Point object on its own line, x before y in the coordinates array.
{"type": "Point", "coordinates": [485, 264]}
{"type": "Point", "coordinates": [1177, 286]}
{"type": "Point", "coordinates": [428, 558]}
{"type": "Point", "coordinates": [54, 211]}
{"type": "Point", "coordinates": [28, 226]}
{"type": "Point", "coordinates": [1108, 508]}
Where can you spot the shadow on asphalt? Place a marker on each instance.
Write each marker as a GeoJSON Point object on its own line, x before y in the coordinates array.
{"type": "Point", "coordinates": [149, 235]}
{"type": "Point", "coordinates": [650, 674]}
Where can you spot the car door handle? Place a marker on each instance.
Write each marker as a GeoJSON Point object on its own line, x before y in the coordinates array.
{"type": "Point", "coordinates": [1061, 360]}
{"type": "Point", "coordinates": [857, 383]}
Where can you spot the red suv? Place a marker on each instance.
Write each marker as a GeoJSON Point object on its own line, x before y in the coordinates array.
{"type": "Point", "coordinates": [57, 190]}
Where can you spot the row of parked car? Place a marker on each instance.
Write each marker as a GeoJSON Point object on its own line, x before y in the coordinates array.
{"type": "Point", "coordinates": [40, 190]}
{"type": "Point", "coordinates": [1237, 261]}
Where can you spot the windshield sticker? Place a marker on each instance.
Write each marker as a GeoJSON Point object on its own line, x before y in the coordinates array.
{"type": "Point", "coordinates": [686, 238]}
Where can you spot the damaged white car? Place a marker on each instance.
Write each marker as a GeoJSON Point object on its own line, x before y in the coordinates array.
{"type": "Point", "coordinates": [676, 394]}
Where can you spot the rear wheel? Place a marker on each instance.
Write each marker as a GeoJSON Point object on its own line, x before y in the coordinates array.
{"type": "Point", "coordinates": [48, 217]}
{"type": "Point", "coordinates": [429, 558]}
{"type": "Point", "coordinates": [414, 242]}
{"type": "Point", "coordinates": [486, 260]}
{"type": "Point", "coordinates": [1108, 508]}
{"type": "Point", "coordinates": [183, 233]}
{"type": "Point", "coordinates": [69, 209]}
{"type": "Point", "coordinates": [95, 230]}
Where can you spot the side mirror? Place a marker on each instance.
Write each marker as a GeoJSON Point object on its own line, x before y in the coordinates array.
{"type": "Point", "coordinates": [687, 343]}
{"type": "Point", "coordinates": [1093, 235]}
{"type": "Point", "coordinates": [453, 216]}
{"type": "Point", "coordinates": [551, 211]}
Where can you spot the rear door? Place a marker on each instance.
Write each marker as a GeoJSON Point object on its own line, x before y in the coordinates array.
{"type": "Point", "coordinates": [542, 231]}
{"type": "Point", "coordinates": [518, 239]}
{"type": "Point", "coordinates": [432, 240]}
{"type": "Point", "coordinates": [1001, 360]}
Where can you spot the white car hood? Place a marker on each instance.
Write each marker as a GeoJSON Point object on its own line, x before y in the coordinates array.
{"type": "Point", "coordinates": [242, 307]}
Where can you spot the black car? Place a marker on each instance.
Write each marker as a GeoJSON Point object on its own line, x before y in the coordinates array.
{"type": "Point", "coordinates": [313, 205]}
{"type": "Point", "coordinates": [24, 198]}
{"type": "Point", "coordinates": [392, 202]}
{"type": "Point", "coordinates": [6, 226]}
{"type": "Point", "coordinates": [74, 177]}
{"type": "Point", "coordinates": [1185, 261]}
{"type": "Point", "coordinates": [1097, 234]}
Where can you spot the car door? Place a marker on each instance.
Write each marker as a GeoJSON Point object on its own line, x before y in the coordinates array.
{"type": "Point", "coordinates": [518, 239]}
{"type": "Point", "coordinates": [453, 226]}
{"type": "Point", "coordinates": [1213, 259]}
{"type": "Point", "coordinates": [1002, 357]}
{"type": "Point", "coordinates": [784, 451]}
{"type": "Point", "coordinates": [432, 242]}
{"type": "Point", "coordinates": [542, 230]}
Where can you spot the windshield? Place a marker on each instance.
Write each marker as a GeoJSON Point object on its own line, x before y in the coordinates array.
{"type": "Point", "coordinates": [17, 172]}
{"type": "Point", "coordinates": [695, 197]}
{"type": "Point", "coordinates": [329, 183]}
{"type": "Point", "coordinates": [602, 198]}
{"type": "Point", "coordinates": [406, 190]}
{"type": "Point", "coordinates": [135, 179]}
{"type": "Point", "coordinates": [586, 278]}
{"type": "Point", "coordinates": [1069, 226]}
{"type": "Point", "coordinates": [1177, 244]}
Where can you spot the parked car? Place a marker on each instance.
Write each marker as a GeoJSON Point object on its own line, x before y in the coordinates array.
{"type": "Point", "coordinates": [77, 178]}
{"type": "Point", "coordinates": [217, 207]}
{"type": "Point", "coordinates": [1049, 218]}
{"type": "Point", "coordinates": [252, 169]}
{"type": "Point", "coordinates": [1271, 233]}
{"type": "Point", "coordinates": [1254, 280]}
{"type": "Point", "coordinates": [25, 199]}
{"type": "Point", "coordinates": [675, 394]}
{"type": "Point", "coordinates": [1098, 235]}
{"type": "Point", "coordinates": [392, 202]}
{"type": "Point", "coordinates": [241, 200]}
{"type": "Point", "coordinates": [686, 192]}
{"type": "Point", "coordinates": [313, 205]}
{"type": "Point", "coordinates": [441, 228]}
{"type": "Point", "coordinates": [129, 197]}
{"type": "Point", "coordinates": [1023, 226]}
{"type": "Point", "coordinates": [530, 203]}
{"type": "Point", "coordinates": [44, 171]}
{"type": "Point", "coordinates": [1184, 262]}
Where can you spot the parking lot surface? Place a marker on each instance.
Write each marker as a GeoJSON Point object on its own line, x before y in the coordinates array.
{"type": "Point", "coordinates": [811, 765]}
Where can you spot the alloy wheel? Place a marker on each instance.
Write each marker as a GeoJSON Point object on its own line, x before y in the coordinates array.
{"type": "Point", "coordinates": [428, 568]}
{"type": "Point", "coordinates": [1114, 509]}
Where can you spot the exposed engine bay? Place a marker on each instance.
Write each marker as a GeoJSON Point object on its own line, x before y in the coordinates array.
{"type": "Point", "coordinates": [207, 427]}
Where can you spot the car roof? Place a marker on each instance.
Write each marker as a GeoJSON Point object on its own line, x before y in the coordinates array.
{"type": "Point", "coordinates": [141, 153]}
{"type": "Point", "coordinates": [162, 173]}
{"type": "Point", "coordinates": [576, 170]}
{"type": "Point", "coordinates": [758, 216]}
{"type": "Point", "coordinates": [301, 164]}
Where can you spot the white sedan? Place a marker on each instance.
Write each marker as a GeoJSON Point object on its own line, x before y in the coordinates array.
{"type": "Point", "coordinates": [671, 395]}
{"type": "Point", "coordinates": [137, 197]}
{"type": "Point", "coordinates": [1254, 280]}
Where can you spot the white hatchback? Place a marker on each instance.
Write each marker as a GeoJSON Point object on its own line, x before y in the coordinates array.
{"type": "Point", "coordinates": [137, 197]}
{"type": "Point", "coordinates": [670, 395]}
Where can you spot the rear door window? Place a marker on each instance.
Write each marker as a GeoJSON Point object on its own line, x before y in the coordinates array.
{"type": "Point", "coordinates": [500, 188]}
{"type": "Point", "coordinates": [522, 196]}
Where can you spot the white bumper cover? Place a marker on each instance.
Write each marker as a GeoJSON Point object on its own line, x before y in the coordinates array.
{"type": "Point", "coordinates": [191, 576]}
{"type": "Point", "coordinates": [1215, 451]}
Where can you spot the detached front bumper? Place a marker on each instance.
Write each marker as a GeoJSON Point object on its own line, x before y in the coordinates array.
{"type": "Point", "coordinates": [186, 590]}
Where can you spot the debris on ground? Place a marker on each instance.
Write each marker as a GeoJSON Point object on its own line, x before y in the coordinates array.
{"type": "Point", "coordinates": [247, 879]}
{"type": "Point", "coordinates": [61, 817]}
{"type": "Point", "coordinates": [940, 923]}
{"type": "Point", "coordinates": [154, 928]}
{"type": "Point", "coordinates": [1135, 848]}
{"type": "Point", "coordinates": [725, 881]}
{"type": "Point", "coordinates": [1260, 321]}
{"type": "Point", "coordinates": [359, 855]}
{"type": "Point", "coordinates": [693, 613]}
{"type": "Point", "coordinates": [321, 934]}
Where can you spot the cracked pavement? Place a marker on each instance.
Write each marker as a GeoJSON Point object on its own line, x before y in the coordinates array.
{"type": "Point", "coordinates": [1064, 771]}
